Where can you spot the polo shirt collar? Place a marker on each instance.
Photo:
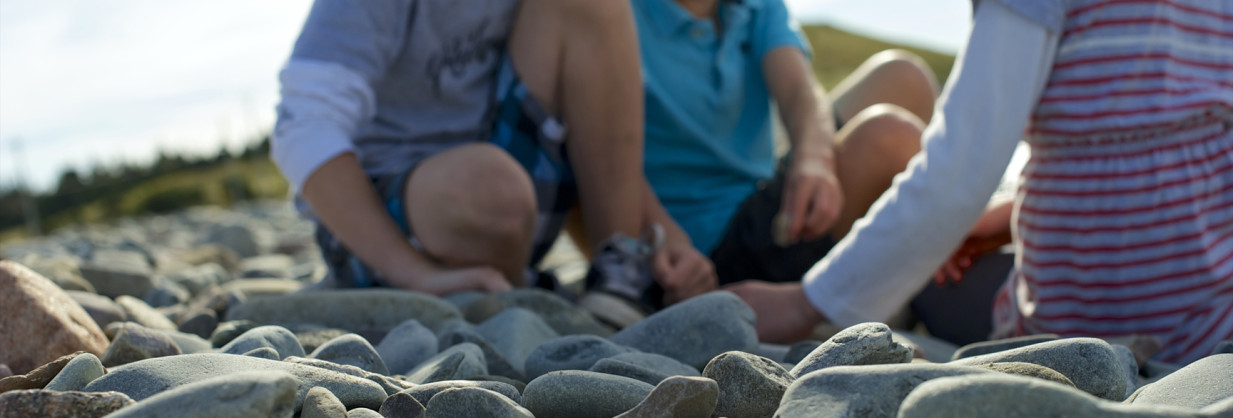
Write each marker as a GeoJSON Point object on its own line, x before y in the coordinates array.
{"type": "Point", "coordinates": [669, 17]}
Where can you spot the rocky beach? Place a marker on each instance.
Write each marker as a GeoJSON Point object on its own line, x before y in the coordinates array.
{"type": "Point", "coordinates": [211, 312]}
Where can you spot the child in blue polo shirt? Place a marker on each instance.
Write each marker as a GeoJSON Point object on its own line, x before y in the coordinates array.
{"type": "Point", "coordinates": [711, 70]}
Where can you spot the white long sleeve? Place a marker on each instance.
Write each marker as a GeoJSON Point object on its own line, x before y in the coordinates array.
{"type": "Point", "coordinates": [323, 105]}
{"type": "Point", "coordinates": [889, 255]}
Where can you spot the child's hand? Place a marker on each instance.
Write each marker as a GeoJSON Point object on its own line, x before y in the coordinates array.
{"type": "Point", "coordinates": [783, 313]}
{"type": "Point", "coordinates": [440, 281]}
{"type": "Point", "coordinates": [812, 198]}
{"type": "Point", "coordinates": [991, 232]}
{"type": "Point", "coordinates": [683, 272]}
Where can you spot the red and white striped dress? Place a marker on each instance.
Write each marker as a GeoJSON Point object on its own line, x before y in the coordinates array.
{"type": "Point", "coordinates": [1125, 211]}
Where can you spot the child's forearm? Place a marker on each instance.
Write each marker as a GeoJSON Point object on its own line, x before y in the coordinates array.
{"type": "Point", "coordinates": [343, 199]}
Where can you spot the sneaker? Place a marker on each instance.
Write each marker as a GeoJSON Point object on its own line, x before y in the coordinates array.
{"type": "Point", "coordinates": [620, 286]}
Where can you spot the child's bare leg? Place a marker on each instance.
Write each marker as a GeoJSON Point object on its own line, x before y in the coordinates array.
{"type": "Point", "coordinates": [893, 76]}
{"type": "Point", "coordinates": [473, 205]}
{"type": "Point", "coordinates": [870, 150]}
{"type": "Point", "coordinates": [579, 59]}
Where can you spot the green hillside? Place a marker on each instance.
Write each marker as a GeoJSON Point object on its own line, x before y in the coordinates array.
{"type": "Point", "coordinates": [837, 53]}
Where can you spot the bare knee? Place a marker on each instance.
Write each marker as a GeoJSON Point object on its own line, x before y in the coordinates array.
{"type": "Point", "coordinates": [470, 203]}
{"type": "Point", "coordinates": [886, 132]}
{"type": "Point", "coordinates": [915, 83]}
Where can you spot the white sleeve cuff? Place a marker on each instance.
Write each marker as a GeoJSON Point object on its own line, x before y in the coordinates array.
{"type": "Point", "coordinates": [323, 106]}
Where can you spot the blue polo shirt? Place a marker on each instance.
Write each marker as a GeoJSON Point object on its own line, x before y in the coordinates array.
{"type": "Point", "coordinates": [708, 127]}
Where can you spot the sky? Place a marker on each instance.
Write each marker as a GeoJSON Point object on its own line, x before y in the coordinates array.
{"type": "Point", "coordinates": [85, 82]}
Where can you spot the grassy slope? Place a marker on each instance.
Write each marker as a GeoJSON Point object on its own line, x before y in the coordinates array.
{"type": "Point", "coordinates": [836, 54]}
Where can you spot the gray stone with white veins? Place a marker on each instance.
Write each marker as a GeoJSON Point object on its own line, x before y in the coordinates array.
{"type": "Point", "coordinates": [861, 344]}
{"type": "Point", "coordinates": [1092, 364]}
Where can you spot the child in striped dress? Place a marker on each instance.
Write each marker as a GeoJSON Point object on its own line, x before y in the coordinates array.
{"type": "Point", "coordinates": [1124, 216]}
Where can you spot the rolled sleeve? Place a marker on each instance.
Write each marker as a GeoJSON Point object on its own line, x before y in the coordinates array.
{"type": "Point", "coordinates": [322, 107]}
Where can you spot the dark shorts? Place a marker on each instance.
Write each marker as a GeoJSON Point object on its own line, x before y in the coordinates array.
{"type": "Point", "coordinates": [521, 127]}
{"type": "Point", "coordinates": [747, 249]}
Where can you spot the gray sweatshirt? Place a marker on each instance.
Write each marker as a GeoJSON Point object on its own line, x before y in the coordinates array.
{"type": "Point", "coordinates": [393, 81]}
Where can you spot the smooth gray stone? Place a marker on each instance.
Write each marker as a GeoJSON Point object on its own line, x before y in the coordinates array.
{"type": "Point", "coordinates": [1007, 396]}
{"type": "Point", "coordinates": [407, 345]}
{"type": "Point", "coordinates": [134, 343]}
{"type": "Point", "coordinates": [166, 293]}
{"type": "Point", "coordinates": [245, 394]}
{"type": "Point", "coordinates": [583, 394]}
{"type": "Point", "coordinates": [146, 378]}
{"type": "Point", "coordinates": [312, 336]}
{"type": "Point", "coordinates": [389, 384]}
{"type": "Point", "coordinates": [401, 405]}
{"type": "Point", "coordinates": [474, 402]}
{"type": "Point", "coordinates": [678, 397]}
{"type": "Point", "coordinates": [188, 343]}
{"type": "Point", "coordinates": [200, 323]}
{"type": "Point", "coordinates": [458, 362]}
{"type": "Point", "coordinates": [62, 270]}
{"type": "Point", "coordinates": [101, 308]}
{"type": "Point", "coordinates": [273, 336]}
{"type": "Point", "coordinates": [1090, 363]}
{"type": "Point", "coordinates": [861, 391]}
{"type": "Point", "coordinates": [321, 403]}
{"type": "Point", "coordinates": [571, 352]}
{"type": "Point", "coordinates": [263, 352]}
{"type": "Point", "coordinates": [988, 347]}
{"type": "Point", "coordinates": [1030, 370]}
{"type": "Point", "coordinates": [424, 393]}
{"type": "Point", "coordinates": [517, 384]}
{"type": "Point", "coordinates": [1200, 384]}
{"type": "Point", "coordinates": [275, 266]}
{"type": "Point", "coordinates": [5, 371]}
{"type": "Point", "coordinates": [463, 299]}
{"type": "Point", "coordinates": [382, 309]}
{"type": "Point", "coordinates": [497, 364]}
{"type": "Point", "coordinates": [646, 367]}
{"type": "Point", "coordinates": [749, 385]}
{"type": "Point", "coordinates": [237, 238]}
{"type": "Point", "coordinates": [351, 350]}
{"type": "Point", "coordinates": [363, 413]}
{"type": "Point", "coordinates": [563, 316]}
{"type": "Point", "coordinates": [930, 348]}
{"type": "Point", "coordinates": [117, 273]}
{"type": "Point", "coordinates": [199, 278]}
{"type": "Point", "coordinates": [800, 350]}
{"type": "Point", "coordinates": [227, 331]}
{"type": "Point", "coordinates": [138, 311]}
{"type": "Point", "coordinates": [46, 403]}
{"type": "Point", "coordinates": [696, 330]}
{"type": "Point", "coordinates": [1130, 367]}
{"type": "Point", "coordinates": [516, 332]}
{"type": "Point", "coordinates": [861, 344]}
{"type": "Point", "coordinates": [78, 373]}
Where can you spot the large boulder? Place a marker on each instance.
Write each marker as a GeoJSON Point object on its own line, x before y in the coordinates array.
{"type": "Point", "coordinates": [41, 322]}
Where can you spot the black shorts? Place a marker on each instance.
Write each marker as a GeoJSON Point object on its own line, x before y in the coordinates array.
{"type": "Point", "coordinates": [747, 249]}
